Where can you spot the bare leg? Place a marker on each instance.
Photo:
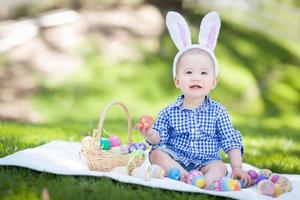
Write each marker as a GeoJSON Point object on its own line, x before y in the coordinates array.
{"type": "Point", "coordinates": [213, 171]}
{"type": "Point", "coordinates": [164, 160]}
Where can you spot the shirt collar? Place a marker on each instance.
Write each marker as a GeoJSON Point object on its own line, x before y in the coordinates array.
{"type": "Point", "coordinates": [179, 101]}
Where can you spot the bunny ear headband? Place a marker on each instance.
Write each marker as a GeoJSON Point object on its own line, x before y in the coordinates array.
{"type": "Point", "coordinates": [181, 36]}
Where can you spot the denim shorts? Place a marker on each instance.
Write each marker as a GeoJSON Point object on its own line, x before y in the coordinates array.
{"type": "Point", "coordinates": [174, 155]}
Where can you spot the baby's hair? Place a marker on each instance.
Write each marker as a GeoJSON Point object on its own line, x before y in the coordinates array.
{"type": "Point", "coordinates": [194, 51]}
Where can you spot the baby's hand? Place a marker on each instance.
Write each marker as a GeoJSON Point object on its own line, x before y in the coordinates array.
{"type": "Point", "coordinates": [238, 172]}
{"type": "Point", "coordinates": [144, 125]}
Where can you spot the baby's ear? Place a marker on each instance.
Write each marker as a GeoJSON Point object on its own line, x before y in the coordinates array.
{"type": "Point", "coordinates": [215, 82]}
{"type": "Point", "coordinates": [209, 30]}
{"type": "Point", "coordinates": [176, 81]}
{"type": "Point", "coordinates": [178, 29]}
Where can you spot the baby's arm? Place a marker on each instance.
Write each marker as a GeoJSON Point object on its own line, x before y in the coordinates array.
{"type": "Point", "coordinates": [236, 161]}
{"type": "Point", "coordinates": [235, 157]}
{"type": "Point", "coordinates": [150, 134]}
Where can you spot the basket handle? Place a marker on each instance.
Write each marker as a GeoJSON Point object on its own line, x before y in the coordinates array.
{"type": "Point", "coordinates": [103, 114]}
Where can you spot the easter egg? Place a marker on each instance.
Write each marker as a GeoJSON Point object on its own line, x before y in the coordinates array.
{"type": "Point", "coordinates": [198, 181]}
{"type": "Point", "coordinates": [225, 184]}
{"type": "Point", "coordinates": [284, 182]}
{"type": "Point", "coordinates": [192, 174]}
{"type": "Point", "coordinates": [141, 173]}
{"type": "Point", "coordinates": [87, 143]}
{"type": "Point", "coordinates": [114, 141]}
{"type": "Point", "coordinates": [253, 174]}
{"type": "Point", "coordinates": [260, 178]}
{"type": "Point", "coordinates": [133, 147]}
{"type": "Point", "coordinates": [216, 185]}
{"type": "Point", "coordinates": [266, 187]}
{"type": "Point", "coordinates": [278, 190]}
{"type": "Point", "coordinates": [174, 173]}
{"type": "Point", "coordinates": [237, 186]}
{"type": "Point", "coordinates": [229, 184]}
{"type": "Point", "coordinates": [145, 121]}
{"type": "Point", "coordinates": [104, 143]}
{"type": "Point", "coordinates": [274, 178]}
{"type": "Point", "coordinates": [265, 172]}
{"type": "Point", "coordinates": [156, 171]}
{"type": "Point", "coordinates": [142, 146]}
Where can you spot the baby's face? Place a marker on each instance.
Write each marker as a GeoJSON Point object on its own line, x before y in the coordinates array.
{"type": "Point", "coordinates": [195, 75]}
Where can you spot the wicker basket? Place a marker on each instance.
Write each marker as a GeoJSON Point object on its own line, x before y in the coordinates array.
{"type": "Point", "coordinates": [99, 160]}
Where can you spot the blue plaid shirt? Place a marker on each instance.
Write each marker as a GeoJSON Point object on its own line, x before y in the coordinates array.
{"type": "Point", "coordinates": [197, 136]}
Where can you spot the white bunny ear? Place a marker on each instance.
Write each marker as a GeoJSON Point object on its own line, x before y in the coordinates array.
{"type": "Point", "coordinates": [178, 29]}
{"type": "Point", "coordinates": [209, 30]}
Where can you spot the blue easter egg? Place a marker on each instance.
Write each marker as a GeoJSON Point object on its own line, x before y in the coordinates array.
{"type": "Point", "coordinates": [260, 178]}
{"type": "Point", "coordinates": [174, 173]}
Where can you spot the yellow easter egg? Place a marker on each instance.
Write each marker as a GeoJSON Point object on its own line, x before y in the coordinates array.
{"type": "Point", "coordinates": [278, 190]}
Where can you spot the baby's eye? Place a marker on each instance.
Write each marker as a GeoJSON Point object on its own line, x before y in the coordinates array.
{"type": "Point", "coordinates": [204, 73]}
{"type": "Point", "coordinates": [188, 72]}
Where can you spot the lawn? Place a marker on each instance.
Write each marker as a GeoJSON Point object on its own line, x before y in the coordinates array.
{"type": "Point", "coordinates": [258, 83]}
{"type": "Point", "coordinates": [280, 153]}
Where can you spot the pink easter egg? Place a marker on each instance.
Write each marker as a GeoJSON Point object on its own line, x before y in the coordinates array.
{"type": "Point", "coordinates": [274, 178]}
{"type": "Point", "coordinates": [114, 141]}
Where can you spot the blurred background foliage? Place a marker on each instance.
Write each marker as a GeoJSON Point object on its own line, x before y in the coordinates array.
{"type": "Point", "coordinates": [258, 52]}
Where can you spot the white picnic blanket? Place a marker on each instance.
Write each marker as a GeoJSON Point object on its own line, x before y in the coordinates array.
{"type": "Point", "coordinates": [62, 157]}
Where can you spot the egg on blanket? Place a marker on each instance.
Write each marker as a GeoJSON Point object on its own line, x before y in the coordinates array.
{"type": "Point", "coordinates": [156, 171]}
{"type": "Point", "coordinates": [141, 173]}
{"type": "Point", "coordinates": [278, 190]}
{"type": "Point", "coordinates": [225, 184]}
{"type": "Point", "coordinates": [198, 181]}
{"type": "Point", "coordinates": [266, 187]}
{"type": "Point", "coordinates": [260, 178]}
{"type": "Point", "coordinates": [284, 182]}
{"type": "Point", "coordinates": [174, 173]}
{"type": "Point", "coordinates": [253, 174]}
{"type": "Point", "coordinates": [265, 172]}
{"type": "Point", "coordinates": [192, 174]}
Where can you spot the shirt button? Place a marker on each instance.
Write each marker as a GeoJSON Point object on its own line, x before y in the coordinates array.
{"type": "Point", "coordinates": [193, 130]}
{"type": "Point", "coordinates": [192, 143]}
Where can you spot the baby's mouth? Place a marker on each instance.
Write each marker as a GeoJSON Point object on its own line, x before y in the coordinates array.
{"type": "Point", "coordinates": [195, 87]}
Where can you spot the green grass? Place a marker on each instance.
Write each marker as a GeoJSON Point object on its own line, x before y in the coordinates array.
{"type": "Point", "coordinates": [21, 183]}
{"type": "Point", "coordinates": [25, 184]}
{"type": "Point", "coordinates": [280, 153]}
